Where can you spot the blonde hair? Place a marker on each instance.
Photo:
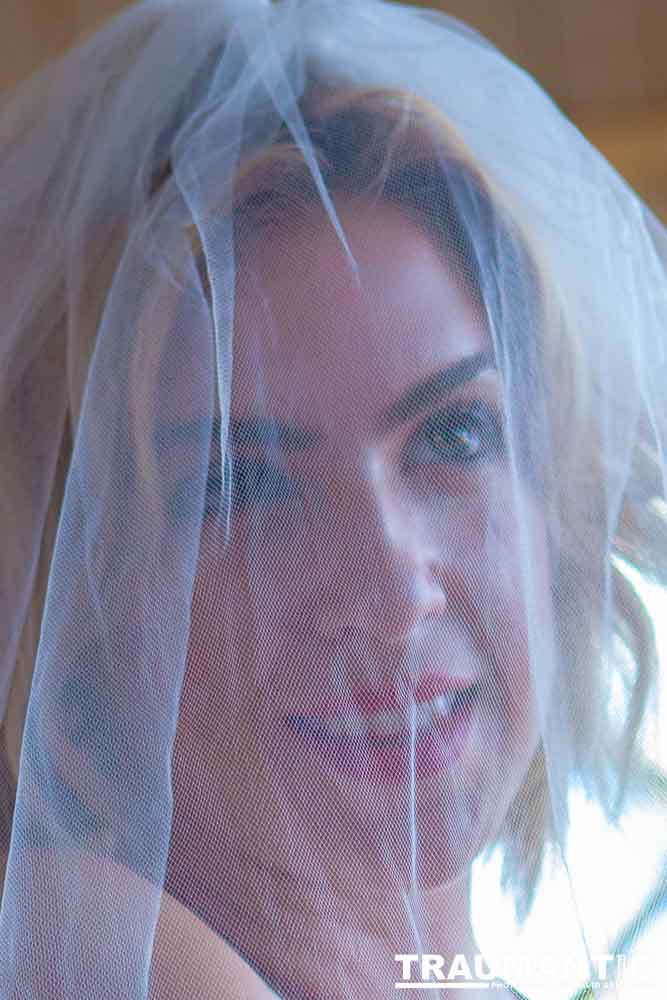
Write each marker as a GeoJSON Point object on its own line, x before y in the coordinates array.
{"type": "Point", "coordinates": [385, 144]}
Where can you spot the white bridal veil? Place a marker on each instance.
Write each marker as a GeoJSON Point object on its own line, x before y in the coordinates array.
{"type": "Point", "coordinates": [332, 449]}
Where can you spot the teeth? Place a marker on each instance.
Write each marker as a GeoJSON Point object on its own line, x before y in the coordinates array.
{"type": "Point", "coordinates": [380, 724]}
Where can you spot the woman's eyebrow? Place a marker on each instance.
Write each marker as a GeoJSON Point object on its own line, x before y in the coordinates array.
{"type": "Point", "coordinates": [435, 387]}
{"type": "Point", "coordinates": [261, 431]}
{"type": "Point", "coordinates": [265, 431]}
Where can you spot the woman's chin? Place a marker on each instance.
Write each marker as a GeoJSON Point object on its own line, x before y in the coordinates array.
{"type": "Point", "coordinates": [424, 862]}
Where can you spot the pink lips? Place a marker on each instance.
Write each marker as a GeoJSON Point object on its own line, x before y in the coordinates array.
{"type": "Point", "coordinates": [425, 753]}
{"type": "Point", "coordinates": [367, 701]}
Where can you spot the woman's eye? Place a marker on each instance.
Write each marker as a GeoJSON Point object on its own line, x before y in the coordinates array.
{"type": "Point", "coordinates": [458, 435]}
{"type": "Point", "coordinates": [252, 483]}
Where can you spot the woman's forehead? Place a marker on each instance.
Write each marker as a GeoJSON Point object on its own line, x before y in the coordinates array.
{"type": "Point", "coordinates": [313, 320]}
{"type": "Point", "coordinates": [325, 338]}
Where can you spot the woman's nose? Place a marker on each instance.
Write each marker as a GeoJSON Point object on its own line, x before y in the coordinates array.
{"type": "Point", "coordinates": [381, 575]}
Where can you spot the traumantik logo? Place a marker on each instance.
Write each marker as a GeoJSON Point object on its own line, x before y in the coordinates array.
{"type": "Point", "coordinates": [427, 971]}
{"type": "Point", "coordinates": [432, 971]}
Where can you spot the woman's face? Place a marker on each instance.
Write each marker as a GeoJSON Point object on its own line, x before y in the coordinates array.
{"type": "Point", "coordinates": [372, 565]}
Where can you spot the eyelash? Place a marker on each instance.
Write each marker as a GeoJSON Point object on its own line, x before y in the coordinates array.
{"type": "Point", "coordinates": [477, 416]}
{"type": "Point", "coordinates": [485, 424]}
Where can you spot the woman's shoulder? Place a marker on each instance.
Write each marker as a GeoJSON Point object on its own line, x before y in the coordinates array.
{"type": "Point", "coordinates": [188, 957]}
{"type": "Point", "coordinates": [212, 969]}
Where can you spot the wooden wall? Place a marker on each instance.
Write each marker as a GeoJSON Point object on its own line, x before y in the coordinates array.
{"type": "Point", "coordinates": [603, 60]}
{"type": "Point", "coordinates": [35, 30]}
{"type": "Point", "coordinates": [605, 63]}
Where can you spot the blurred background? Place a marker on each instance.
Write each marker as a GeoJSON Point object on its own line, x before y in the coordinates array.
{"type": "Point", "coordinates": [602, 60]}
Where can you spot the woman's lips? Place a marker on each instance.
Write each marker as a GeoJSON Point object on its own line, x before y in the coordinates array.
{"type": "Point", "coordinates": [362, 701]}
{"type": "Point", "coordinates": [382, 740]}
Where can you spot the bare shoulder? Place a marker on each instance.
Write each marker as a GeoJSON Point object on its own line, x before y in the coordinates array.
{"type": "Point", "coordinates": [211, 969]}
{"type": "Point", "coordinates": [188, 958]}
